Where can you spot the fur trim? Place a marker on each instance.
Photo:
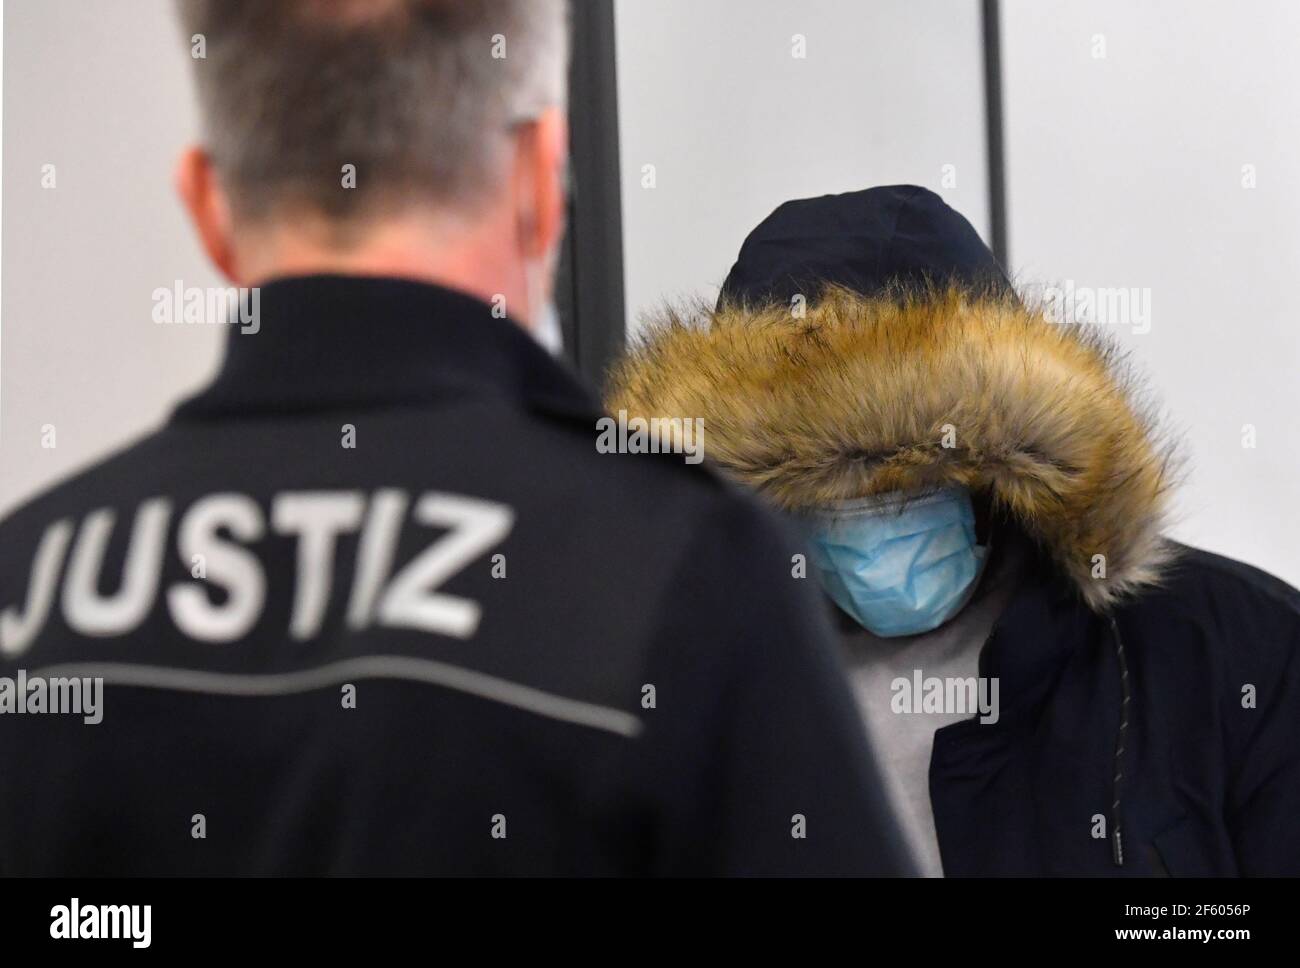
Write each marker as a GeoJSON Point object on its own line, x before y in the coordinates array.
{"type": "Point", "coordinates": [861, 396]}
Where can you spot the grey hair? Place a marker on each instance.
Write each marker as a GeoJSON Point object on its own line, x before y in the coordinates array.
{"type": "Point", "coordinates": [417, 95]}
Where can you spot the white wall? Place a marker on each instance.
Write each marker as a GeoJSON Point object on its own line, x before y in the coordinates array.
{"type": "Point", "coordinates": [1127, 171]}
{"type": "Point", "coordinates": [100, 91]}
{"type": "Point", "coordinates": [710, 94]}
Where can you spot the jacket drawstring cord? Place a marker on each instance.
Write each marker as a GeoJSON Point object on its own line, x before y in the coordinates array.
{"type": "Point", "coordinates": [1117, 833]}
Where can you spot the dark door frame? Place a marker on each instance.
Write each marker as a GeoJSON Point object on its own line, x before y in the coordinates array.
{"type": "Point", "coordinates": [589, 289]}
{"type": "Point", "coordinates": [993, 129]}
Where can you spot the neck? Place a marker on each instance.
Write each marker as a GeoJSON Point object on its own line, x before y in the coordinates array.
{"type": "Point", "coordinates": [469, 257]}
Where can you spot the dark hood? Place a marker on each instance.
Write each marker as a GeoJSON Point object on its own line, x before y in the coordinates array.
{"type": "Point", "coordinates": [911, 367]}
{"type": "Point", "coordinates": [871, 241]}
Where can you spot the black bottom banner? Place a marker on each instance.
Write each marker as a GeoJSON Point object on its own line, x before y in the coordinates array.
{"type": "Point", "coordinates": [334, 917]}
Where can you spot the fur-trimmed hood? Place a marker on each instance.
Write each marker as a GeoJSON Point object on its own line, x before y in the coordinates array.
{"type": "Point", "coordinates": [866, 395]}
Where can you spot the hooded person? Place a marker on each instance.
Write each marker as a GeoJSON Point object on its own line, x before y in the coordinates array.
{"type": "Point", "coordinates": [1052, 685]}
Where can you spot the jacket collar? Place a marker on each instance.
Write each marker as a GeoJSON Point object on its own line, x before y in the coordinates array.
{"type": "Point", "coordinates": [323, 342]}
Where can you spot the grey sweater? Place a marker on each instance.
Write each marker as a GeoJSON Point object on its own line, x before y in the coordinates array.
{"type": "Point", "coordinates": [903, 741]}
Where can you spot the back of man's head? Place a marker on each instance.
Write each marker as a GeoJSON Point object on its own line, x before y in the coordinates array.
{"type": "Point", "coordinates": [422, 138]}
{"type": "Point", "coordinates": [417, 95]}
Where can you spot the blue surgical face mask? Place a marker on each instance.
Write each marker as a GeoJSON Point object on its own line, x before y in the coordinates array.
{"type": "Point", "coordinates": [898, 564]}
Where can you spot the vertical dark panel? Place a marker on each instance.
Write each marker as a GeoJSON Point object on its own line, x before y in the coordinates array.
{"type": "Point", "coordinates": [590, 287]}
{"type": "Point", "coordinates": [993, 128]}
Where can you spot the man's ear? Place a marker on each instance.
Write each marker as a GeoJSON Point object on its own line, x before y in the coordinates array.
{"type": "Point", "coordinates": [209, 208]}
{"type": "Point", "coordinates": [543, 160]}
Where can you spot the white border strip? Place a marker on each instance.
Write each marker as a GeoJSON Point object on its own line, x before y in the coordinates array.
{"type": "Point", "coordinates": [410, 669]}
